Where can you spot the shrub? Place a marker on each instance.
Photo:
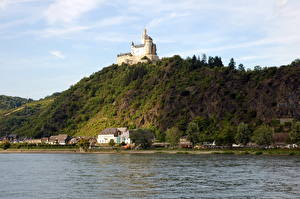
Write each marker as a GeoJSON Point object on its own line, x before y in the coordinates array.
{"type": "Point", "coordinates": [263, 135]}
{"type": "Point", "coordinates": [5, 145]}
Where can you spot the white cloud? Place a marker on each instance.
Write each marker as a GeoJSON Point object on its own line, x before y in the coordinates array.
{"type": "Point", "coordinates": [71, 29]}
{"type": "Point", "coordinates": [57, 54]}
{"type": "Point", "coordinates": [113, 21]}
{"type": "Point", "coordinates": [3, 4]}
{"type": "Point", "coordinates": [65, 11]}
{"type": "Point", "coordinates": [164, 19]}
{"type": "Point", "coordinates": [281, 3]}
{"type": "Point", "coordinates": [62, 31]}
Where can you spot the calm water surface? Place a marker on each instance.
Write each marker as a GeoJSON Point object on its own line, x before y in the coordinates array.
{"type": "Point", "coordinates": [148, 176]}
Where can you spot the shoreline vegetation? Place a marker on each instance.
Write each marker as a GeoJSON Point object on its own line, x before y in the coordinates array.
{"type": "Point", "coordinates": [249, 151]}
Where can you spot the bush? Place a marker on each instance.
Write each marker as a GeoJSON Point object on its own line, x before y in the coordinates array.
{"type": "Point", "coordinates": [173, 135]}
{"type": "Point", "coordinates": [263, 135]}
{"type": "Point", "coordinates": [84, 144]}
{"type": "Point", "coordinates": [111, 143]}
{"type": "Point", "coordinates": [5, 145]}
{"type": "Point", "coordinates": [142, 137]}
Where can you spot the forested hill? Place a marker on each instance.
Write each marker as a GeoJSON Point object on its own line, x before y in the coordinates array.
{"type": "Point", "coordinates": [169, 93]}
{"type": "Point", "coordinates": [7, 102]}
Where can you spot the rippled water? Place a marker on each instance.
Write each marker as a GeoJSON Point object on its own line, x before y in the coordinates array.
{"type": "Point", "coordinates": [148, 176]}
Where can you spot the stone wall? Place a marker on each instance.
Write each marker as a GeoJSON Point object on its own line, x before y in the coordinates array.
{"type": "Point", "coordinates": [129, 59]}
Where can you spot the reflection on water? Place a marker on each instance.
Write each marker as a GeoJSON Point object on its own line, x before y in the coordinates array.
{"type": "Point", "coordinates": [148, 176]}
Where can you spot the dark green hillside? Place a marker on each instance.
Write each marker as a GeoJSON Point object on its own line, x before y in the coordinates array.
{"type": "Point", "coordinates": [170, 93]}
{"type": "Point", "coordinates": [7, 102]}
{"type": "Point", "coordinates": [12, 120]}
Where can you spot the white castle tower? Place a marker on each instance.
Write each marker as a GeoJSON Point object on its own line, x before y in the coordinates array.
{"type": "Point", "coordinates": [140, 53]}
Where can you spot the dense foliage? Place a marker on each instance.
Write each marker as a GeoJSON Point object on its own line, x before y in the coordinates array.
{"type": "Point", "coordinates": [7, 102]}
{"type": "Point", "coordinates": [170, 93]}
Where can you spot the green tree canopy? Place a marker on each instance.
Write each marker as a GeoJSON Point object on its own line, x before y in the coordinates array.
{"type": "Point", "coordinates": [225, 135]}
{"type": "Point", "coordinates": [295, 133]}
{"type": "Point", "coordinates": [142, 137]}
{"type": "Point", "coordinates": [173, 135]}
{"type": "Point", "coordinates": [243, 134]}
{"type": "Point", "coordinates": [83, 144]}
{"type": "Point", "coordinates": [241, 68]}
{"type": "Point", "coordinates": [111, 143]}
{"type": "Point", "coordinates": [263, 135]}
{"type": "Point", "coordinates": [193, 132]}
{"type": "Point", "coordinates": [231, 64]}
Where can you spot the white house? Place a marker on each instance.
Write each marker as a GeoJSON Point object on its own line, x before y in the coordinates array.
{"type": "Point", "coordinates": [118, 135]}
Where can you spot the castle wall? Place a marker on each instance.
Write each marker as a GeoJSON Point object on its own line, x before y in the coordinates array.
{"type": "Point", "coordinates": [137, 51]}
{"type": "Point", "coordinates": [135, 59]}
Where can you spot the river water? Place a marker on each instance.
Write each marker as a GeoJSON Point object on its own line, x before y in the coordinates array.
{"type": "Point", "coordinates": [148, 176]}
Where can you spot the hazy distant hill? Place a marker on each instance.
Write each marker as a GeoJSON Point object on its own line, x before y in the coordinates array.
{"type": "Point", "coordinates": [169, 93]}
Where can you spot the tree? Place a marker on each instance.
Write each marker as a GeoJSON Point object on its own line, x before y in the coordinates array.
{"type": "Point", "coordinates": [241, 68]}
{"type": "Point", "coordinates": [204, 59]}
{"type": "Point", "coordinates": [207, 128]}
{"type": "Point", "coordinates": [193, 133]}
{"type": "Point", "coordinates": [225, 135]}
{"type": "Point", "coordinates": [215, 62]}
{"type": "Point", "coordinates": [218, 61]}
{"type": "Point", "coordinates": [159, 135]}
{"type": "Point", "coordinates": [243, 134]}
{"type": "Point", "coordinates": [231, 64]}
{"type": "Point", "coordinates": [111, 143]}
{"type": "Point", "coordinates": [257, 68]}
{"type": "Point", "coordinates": [295, 132]}
{"type": "Point", "coordinates": [194, 59]}
{"type": "Point", "coordinates": [296, 62]}
{"type": "Point", "coordinates": [142, 137]}
{"type": "Point", "coordinates": [211, 62]}
{"type": "Point", "coordinates": [83, 144]}
{"type": "Point", "coordinates": [172, 136]}
{"type": "Point", "coordinates": [263, 135]}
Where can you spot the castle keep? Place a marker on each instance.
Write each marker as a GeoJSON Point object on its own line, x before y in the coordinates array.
{"type": "Point", "coordinates": [140, 53]}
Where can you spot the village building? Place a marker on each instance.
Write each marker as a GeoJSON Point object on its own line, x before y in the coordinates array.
{"type": "Point", "coordinates": [118, 135]}
{"type": "Point", "coordinates": [144, 52]}
{"type": "Point", "coordinates": [44, 140]}
{"type": "Point", "coordinates": [185, 143]}
{"type": "Point", "coordinates": [33, 141]}
{"type": "Point", "coordinates": [61, 139]}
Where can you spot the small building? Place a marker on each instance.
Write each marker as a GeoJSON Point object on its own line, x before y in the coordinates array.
{"type": "Point", "coordinates": [61, 139]}
{"type": "Point", "coordinates": [33, 141]}
{"type": "Point", "coordinates": [160, 144]}
{"type": "Point", "coordinates": [74, 140]}
{"type": "Point", "coordinates": [118, 135]}
{"type": "Point", "coordinates": [45, 140]}
{"type": "Point", "coordinates": [185, 143]}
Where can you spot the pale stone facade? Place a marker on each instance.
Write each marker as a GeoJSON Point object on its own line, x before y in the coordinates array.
{"type": "Point", "coordinates": [118, 135]}
{"type": "Point", "coordinates": [140, 53]}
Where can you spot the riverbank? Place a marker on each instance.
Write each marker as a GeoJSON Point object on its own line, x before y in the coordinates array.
{"type": "Point", "coordinates": [161, 151]}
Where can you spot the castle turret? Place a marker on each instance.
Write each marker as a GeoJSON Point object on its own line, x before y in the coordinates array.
{"type": "Point", "coordinates": [144, 35]}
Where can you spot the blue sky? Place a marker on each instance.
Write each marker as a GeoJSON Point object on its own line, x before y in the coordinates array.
{"type": "Point", "coordinates": [48, 45]}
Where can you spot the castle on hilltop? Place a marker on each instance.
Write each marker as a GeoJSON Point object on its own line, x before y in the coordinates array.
{"type": "Point", "coordinates": [140, 53]}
